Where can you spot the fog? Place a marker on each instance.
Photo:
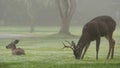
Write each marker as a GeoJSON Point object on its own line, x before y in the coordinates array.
{"type": "Point", "coordinates": [45, 12]}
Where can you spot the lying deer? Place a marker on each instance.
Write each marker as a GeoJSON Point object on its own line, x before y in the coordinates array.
{"type": "Point", "coordinates": [101, 26]}
{"type": "Point", "coordinates": [15, 51]}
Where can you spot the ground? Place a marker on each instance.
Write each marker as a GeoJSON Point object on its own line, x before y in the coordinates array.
{"type": "Point", "coordinates": [44, 49]}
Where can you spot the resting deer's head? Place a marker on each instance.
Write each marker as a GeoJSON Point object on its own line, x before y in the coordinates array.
{"type": "Point", "coordinates": [12, 45]}
{"type": "Point", "coordinates": [74, 47]}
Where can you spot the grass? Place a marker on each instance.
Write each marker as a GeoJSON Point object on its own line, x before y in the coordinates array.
{"type": "Point", "coordinates": [42, 65]}
{"type": "Point", "coordinates": [45, 50]}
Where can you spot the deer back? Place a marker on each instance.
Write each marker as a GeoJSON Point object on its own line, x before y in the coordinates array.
{"type": "Point", "coordinates": [18, 51]}
{"type": "Point", "coordinates": [99, 26]}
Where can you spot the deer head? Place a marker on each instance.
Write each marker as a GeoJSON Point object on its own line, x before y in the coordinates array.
{"type": "Point", "coordinates": [74, 47]}
{"type": "Point", "coordinates": [12, 45]}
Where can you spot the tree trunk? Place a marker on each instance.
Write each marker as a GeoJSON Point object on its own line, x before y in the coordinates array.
{"type": "Point", "coordinates": [66, 10]}
{"type": "Point", "coordinates": [31, 17]}
{"type": "Point", "coordinates": [65, 26]}
{"type": "Point", "coordinates": [32, 29]}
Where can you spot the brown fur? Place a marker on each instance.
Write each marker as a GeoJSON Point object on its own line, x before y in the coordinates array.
{"type": "Point", "coordinates": [101, 26]}
{"type": "Point", "coordinates": [15, 51]}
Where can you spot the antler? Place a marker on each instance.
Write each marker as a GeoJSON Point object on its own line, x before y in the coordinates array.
{"type": "Point", "coordinates": [65, 46]}
{"type": "Point", "coordinates": [68, 42]}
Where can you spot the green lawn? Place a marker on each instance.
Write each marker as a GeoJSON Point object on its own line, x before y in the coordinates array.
{"type": "Point", "coordinates": [44, 50]}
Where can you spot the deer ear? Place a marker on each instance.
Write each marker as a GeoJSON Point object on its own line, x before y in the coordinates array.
{"type": "Point", "coordinates": [16, 41]}
{"type": "Point", "coordinates": [73, 44]}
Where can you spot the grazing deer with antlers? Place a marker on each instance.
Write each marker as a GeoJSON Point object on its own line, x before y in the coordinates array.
{"type": "Point", "coordinates": [94, 30]}
{"type": "Point", "coordinates": [15, 51]}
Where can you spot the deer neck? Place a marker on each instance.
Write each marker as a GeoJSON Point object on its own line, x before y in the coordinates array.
{"type": "Point", "coordinates": [14, 47]}
{"type": "Point", "coordinates": [84, 40]}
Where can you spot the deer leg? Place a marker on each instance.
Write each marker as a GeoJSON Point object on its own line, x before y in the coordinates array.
{"type": "Point", "coordinates": [86, 47]}
{"type": "Point", "coordinates": [97, 47]}
{"type": "Point", "coordinates": [109, 52]}
{"type": "Point", "coordinates": [112, 47]}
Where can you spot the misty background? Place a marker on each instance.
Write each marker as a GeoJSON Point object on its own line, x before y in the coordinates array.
{"type": "Point", "coordinates": [45, 12]}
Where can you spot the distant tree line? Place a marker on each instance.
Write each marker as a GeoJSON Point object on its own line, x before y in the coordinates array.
{"type": "Point", "coordinates": [46, 12]}
{"type": "Point", "coordinates": [13, 12]}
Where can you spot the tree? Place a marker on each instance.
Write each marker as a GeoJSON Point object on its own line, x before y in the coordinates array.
{"type": "Point", "coordinates": [66, 10]}
{"type": "Point", "coordinates": [30, 14]}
